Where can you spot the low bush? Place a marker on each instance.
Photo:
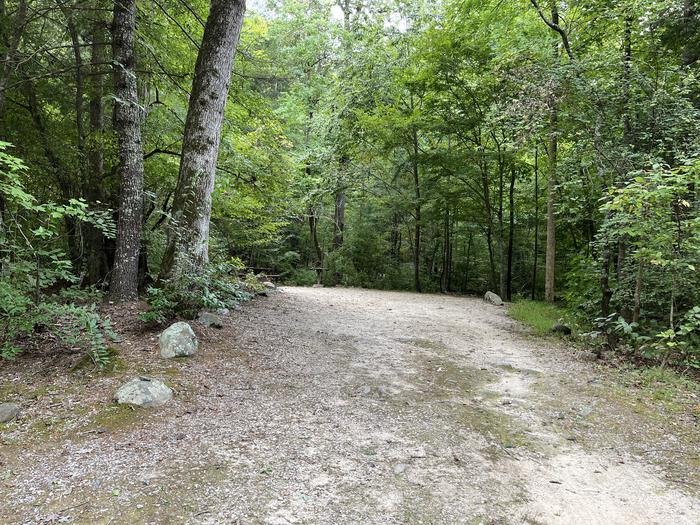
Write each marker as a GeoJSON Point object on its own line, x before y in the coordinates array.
{"type": "Point", "coordinates": [218, 287]}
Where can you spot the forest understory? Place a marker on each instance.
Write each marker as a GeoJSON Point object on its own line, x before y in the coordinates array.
{"type": "Point", "coordinates": [337, 405]}
{"type": "Point", "coordinates": [166, 164]}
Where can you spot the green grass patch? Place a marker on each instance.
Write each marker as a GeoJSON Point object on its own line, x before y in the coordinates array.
{"type": "Point", "coordinates": [658, 378]}
{"type": "Point", "coordinates": [538, 316]}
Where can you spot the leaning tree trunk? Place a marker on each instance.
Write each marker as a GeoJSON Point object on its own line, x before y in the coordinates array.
{"type": "Point", "coordinates": [124, 281]}
{"type": "Point", "coordinates": [187, 251]}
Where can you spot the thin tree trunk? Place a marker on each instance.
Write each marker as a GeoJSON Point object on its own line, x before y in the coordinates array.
{"type": "Point", "coordinates": [313, 230]}
{"type": "Point", "coordinates": [483, 167]}
{"type": "Point", "coordinates": [97, 267]}
{"type": "Point", "coordinates": [9, 57]}
{"type": "Point", "coordinates": [501, 243]}
{"type": "Point", "coordinates": [339, 218]}
{"type": "Point", "coordinates": [537, 226]}
{"type": "Point", "coordinates": [511, 232]}
{"type": "Point", "coordinates": [469, 255]}
{"type": "Point", "coordinates": [550, 255]}
{"type": "Point", "coordinates": [417, 195]}
{"type": "Point", "coordinates": [127, 126]}
{"type": "Point", "coordinates": [638, 293]}
{"type": "Point", "coordinates": [187, 250]}
{"type": "Point", "coordinates": [628, 141]}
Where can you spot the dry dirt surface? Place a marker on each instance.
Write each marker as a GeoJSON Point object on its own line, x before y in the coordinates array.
{"type": "Point", "coordinates": [346, 406]}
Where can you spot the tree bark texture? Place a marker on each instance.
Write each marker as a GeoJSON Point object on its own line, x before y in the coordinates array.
{"type": "Point", "coordinates": [188, 237]}
{"type": "Point", "coordinates": [127, 126]}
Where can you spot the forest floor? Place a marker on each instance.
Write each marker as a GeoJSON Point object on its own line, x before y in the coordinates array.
{"type": "Point", "coordinates": [350, 406]}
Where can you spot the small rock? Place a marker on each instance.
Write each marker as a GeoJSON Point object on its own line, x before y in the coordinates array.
{"type": "Point", "coordinates": [317, 285]}
{"type": "Point", "coordinates": [222, 311]}
{"type": "Point", "coordinates": [178, 340]}
{"type": "Point", "coordinates": [364, 391]}
{"type": "Point", "coordinates": [418, 453]}
{"type": "Point", "coordinates": [493, 298]}
{"type": "Point", "coordinates": [562, 329]}
{"type": "Point", "coordinates": [8, 412]}
{"type": "Point", "coordinates": [269, 285]}
{"type": "Point", "coordinates": [143, 392]}
{"type": "Point", "coordinates": [400, 468]}
{"type": "Point", "coordinates": [585, 411]}
{"type": "Point", "coordinates": [209, 319]}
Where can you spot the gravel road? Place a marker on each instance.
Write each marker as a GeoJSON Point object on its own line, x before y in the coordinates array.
{"type": "Point", "coordinates": [347, 406]}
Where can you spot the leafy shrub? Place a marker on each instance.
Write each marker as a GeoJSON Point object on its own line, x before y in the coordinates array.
{"type": "Point", "coordinates": [217, 287]}
{"type": "Point", "coordinates": [682, 343]}
{"type": "Point", "coordinates": [252, 284]}
{"type": "Point", "coordinates": [302, 277]}
{"type": "Point", "coordinates": [32, 260]}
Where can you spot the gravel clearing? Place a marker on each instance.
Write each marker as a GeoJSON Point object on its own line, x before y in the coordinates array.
{"type": "Point", "coordinates": [346, 406]}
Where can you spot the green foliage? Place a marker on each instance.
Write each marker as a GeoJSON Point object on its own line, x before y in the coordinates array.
{"type": "Point", "coordinates": [301, 277]}
{"type": "Point", "coordinates": [32, 260]}
{"type": "Point", "coordinates": [682, 343]}
{"type": "Point", "coordinates": [217, 287]}
{"type": "Point", "coordinates": [252, 284]}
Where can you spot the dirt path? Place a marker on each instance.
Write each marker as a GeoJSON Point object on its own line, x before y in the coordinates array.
{"type": "Point", "coordinates": [345, 406]}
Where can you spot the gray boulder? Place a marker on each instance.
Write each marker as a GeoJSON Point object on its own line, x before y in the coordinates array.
{"type": "Point", "coordinates": [143, 392]}
{"type": "Point", "coordinates": [493, 298]}
{"type": "Point", "coordinates": [269, 285]}
{"type": "Point", "coordinates": [209, 319]}
{"type": "Point", "coordinates": [222, 311]}
{"type": "Point", "coordinates": [178, 340]}
{"type": "Point", "coordinates": [8, 412]}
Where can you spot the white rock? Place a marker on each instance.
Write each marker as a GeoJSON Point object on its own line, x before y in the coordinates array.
{"type": "Point", "coordinates": [178, 340]}
{"type": "Point", "coordinates": [143, 392]}
{"type": "Point", "coordinates": [493, 298]}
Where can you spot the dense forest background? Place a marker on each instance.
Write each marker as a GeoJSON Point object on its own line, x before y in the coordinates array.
{"type": "Point", "coordinates": [543, 150]}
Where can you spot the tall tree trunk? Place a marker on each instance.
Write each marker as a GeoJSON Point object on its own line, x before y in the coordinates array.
{"type": "Point", "coordinates": [638, 293]}
{"type": "Point", "coordinates": [313, 230]}
{"type": "Point", "coordinates": [469, 256]}
{"type": "Point", "coordinates": [511, 232]}
{"type": "Point", "coordinates": [486, 195]}
{"type": "Point", "coordinates": [417, 196]}
{"type": "Point", "coordinates": [188, 237]}
{"type": "Point", "coordinates": [97, 266]}
{"type": "Point", "coordinates": [339, 216]}
{"type": "Point", "coordinates": [501, 243]}
{"type": "Point", "coordinates": [8, 57]}
{"type": "Point", "coordinates": [605, 255]}
{"type": "Point", "coordinates": [127, 125]}
{"type": "Point", "coordinates": [628, 140]}
{"type": "Point", "coordinates": [550, 255]}
{"type": "Point", "coordinates": [537, 226]}
{"type": "Point", "coordinates": [445, 269]}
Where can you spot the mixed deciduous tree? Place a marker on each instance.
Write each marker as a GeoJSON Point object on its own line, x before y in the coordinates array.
{"type": "Point", "coordinates": [188, 238]}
